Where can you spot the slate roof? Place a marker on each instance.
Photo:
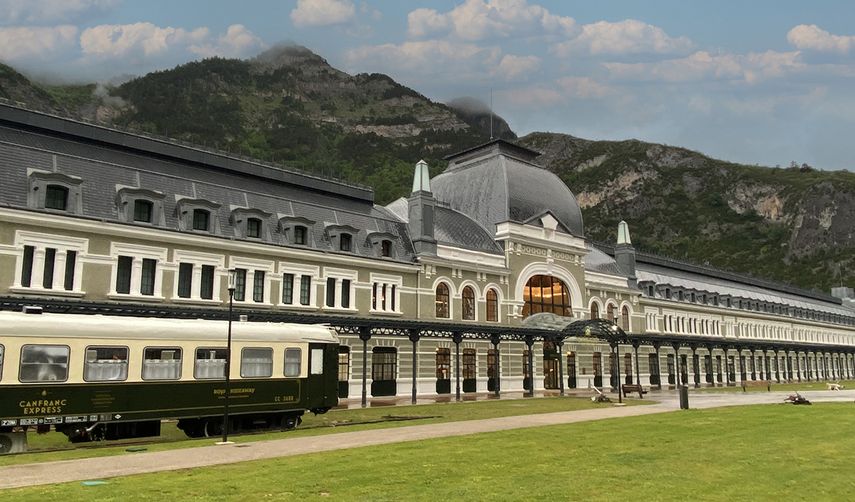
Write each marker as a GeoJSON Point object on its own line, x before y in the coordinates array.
{"type": "Point", "coordinates": [598, 261]}
{"type": "Point", "coordinates": [498, 182]}
{"type": "Point", "coordinates": [104, 166]}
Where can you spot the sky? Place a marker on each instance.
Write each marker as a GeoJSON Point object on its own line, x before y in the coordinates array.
{"type": "Point", "coordinates": [765, 81]}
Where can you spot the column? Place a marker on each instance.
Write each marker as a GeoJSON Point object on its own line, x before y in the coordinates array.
{"type": "Point", "coordinates": [529, 341]}
{"type": "Point", "coordinates": [364, 335]}
{"type": "Point", "coordinates": [494, 339]}
{"type": "Point", "coordinates": [457, 337]}
{"type": "Point", "coordinates": [414, 337]}
{"type": "Point", "coordinates": [559, 343]}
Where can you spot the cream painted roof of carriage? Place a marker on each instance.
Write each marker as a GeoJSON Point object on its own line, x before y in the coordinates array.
{"type": "Point", "coordinates": [679, 278]}
{"type": "Point", "coordinates": [149, 328]}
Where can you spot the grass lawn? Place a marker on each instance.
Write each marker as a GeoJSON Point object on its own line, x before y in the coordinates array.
{"type": "Point", "coordinates": [821, 385]}
{"type": "Point", "coordinates": [766, 452]}
{"type": "Point", "coordinates": [331, 422]}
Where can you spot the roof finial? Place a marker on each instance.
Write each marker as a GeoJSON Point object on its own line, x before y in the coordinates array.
{"type": "Point", "coordinates": [623, 233]}
{"type": "Point", "coordinates": [421, 178]}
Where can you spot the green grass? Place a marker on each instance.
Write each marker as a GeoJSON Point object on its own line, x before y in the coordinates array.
{"type": "Point", "coordinates": [767, 452]}
{"type": "Point", "coordinates": [332, 422]}
{"type": "Point", "coordinates": [795, 386]}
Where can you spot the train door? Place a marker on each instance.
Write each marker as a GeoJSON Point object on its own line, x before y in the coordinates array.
{"type": "Point", "coordinates": [322, 386]}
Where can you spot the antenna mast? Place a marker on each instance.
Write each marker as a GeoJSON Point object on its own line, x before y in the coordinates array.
{"type": "Point", "coordinates": [491, 113]}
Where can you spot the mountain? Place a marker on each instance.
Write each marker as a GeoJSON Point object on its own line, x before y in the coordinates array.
{"type": "Point", "coordinates": [795, 225]}
{"type": "Point", "coordinates": [289, 105]}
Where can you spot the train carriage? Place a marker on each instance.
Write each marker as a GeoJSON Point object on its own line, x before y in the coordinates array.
{"type": "Point", "coordinates": [109, 377]}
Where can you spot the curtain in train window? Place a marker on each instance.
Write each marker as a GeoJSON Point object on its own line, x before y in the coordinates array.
{"type": "Point", "coordinates": [292, 362]}
{"type": "Point", "coordinates": [162, 363]}
{"type": "Point", "coordinates": [44, 363]}
{"type": "Point", "coordinates": [210, 363]}
{"type": "Point", "coordinates": [256, 362]}
{"type": "Point", "coordinates": [106, 364]}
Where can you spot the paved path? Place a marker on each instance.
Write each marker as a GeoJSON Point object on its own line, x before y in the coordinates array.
{"type": "Point", "coordinates": [139, 463]}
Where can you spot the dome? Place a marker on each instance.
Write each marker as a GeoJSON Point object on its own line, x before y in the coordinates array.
{"type": "Point", "coordinates": [498, 182]}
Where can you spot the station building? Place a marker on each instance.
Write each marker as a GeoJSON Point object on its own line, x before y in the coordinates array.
{"type": "Point", "coordinates": [100, 220]}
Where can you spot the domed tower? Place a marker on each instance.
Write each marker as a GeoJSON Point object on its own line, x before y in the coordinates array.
{"type": "Point", "coordinates": [499, 182]}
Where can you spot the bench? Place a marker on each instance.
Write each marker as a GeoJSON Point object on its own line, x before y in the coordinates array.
{"type": "Point", "coordinates": [757, 383]}
{"type": "Point", "coordinates": [631, 387]}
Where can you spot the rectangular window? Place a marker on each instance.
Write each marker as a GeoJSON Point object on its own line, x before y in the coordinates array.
{"type": "Point", "coordinates": [201, 219]}
{"type": "Point", "coordinates": [185, 280]}
{"type": "Point", "coordinates": [258, 286]}
{"type": "Point", "coordinates": [143, 210]}
{"type": "Point", "coordinates": [469, 368]}
{"type": "Point", "coordinates": [206, 287]}
{"type": "Point", "coordinates": [300, 235]}
{"type": "Point", "coordinates": [27, 266]}
{"type": "Point", "coordinates": [240, 284]}
{"type": "Point", "coordinates": [210, 363]}
{"type": "Point", "coordinates": [44, 363]}
{"type": "Point", "coordinates": [70, 263]}
{"type": "Point", "coordinates": [123, 274]}
{"type": "Point", "coordinates": [50, 259]}
{"type": "Point", "coordinates": [384, 364]}
{"type": "Point", "coordinates": [305, 289]}
{"type": "Point", "coordinates": [162, 363]}
{"type": "Point", "coordinates": [292, 362]}
{"type": "Point", "coordinates": [256, 362]}
{"type": "Point", "coordinates": [1, 362]}
{"type": "Point", "coordinates": [443, 364]}
{"type": "Point", "coordinates": [149, 267]}
{"type": "Point", "coordinates": [287, 289]}
{"type": "Point", "coordinates": [253, 228]}
{"type": "Point", "coordinates": [345, 242]}
{"type": "Point", "coordinates": [56, 197]}
{"type": "Point", "coordinates": [343, 362]}
{"type": "Point", "coordinates": [345, 293]}
{"type": "Point", "coordinates": [330, 292]}
{"type": "Point", "coordinates": [392, 299]}
{"type": "Point", "coordinates": [493, 363]}
{"type": "Point", "coordinates": [316, 365]}
{"type": "Point", "coordinates": [106, 364]}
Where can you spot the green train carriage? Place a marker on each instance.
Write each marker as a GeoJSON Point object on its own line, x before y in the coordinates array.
{"type": "Point", "coordinates": [108, 377]}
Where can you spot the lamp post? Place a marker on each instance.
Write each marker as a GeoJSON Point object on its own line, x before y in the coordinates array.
{"type": "Point", "coordinates": [232, 274]}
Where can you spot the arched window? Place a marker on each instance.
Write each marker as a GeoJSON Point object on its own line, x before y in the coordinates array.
{"type": "Point", "coordinates": [468, 303]}
{"type": "Point", "coordinates": [544, 293]}
{"type": "Point", "coordinates": [492, 305]}
{"type": "Point", "coordinates": [595, 311]}
{"type": "Point", "coordinates": [610, 313]}
{"type": "Point", "coordinates": [442, 298]}
{"type": "Point", "coordinates": [624, 318]}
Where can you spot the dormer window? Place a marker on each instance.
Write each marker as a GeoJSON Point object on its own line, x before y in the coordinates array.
{"type": "Point", "coordinates": [140, 205]}
{"type": "Point", "coordinates": [382, 243]}
{"type": "Point", "coordinates": [345, 242]}
{"type": "Point", "coordinates": [300, 233]}
{"type": "Point", "coordinates": [56, 197]}
{"type": "Point", "coordinates": [143, 210]}
{"type": "Point", "coordinates": [198, 215]}
{"type": "Point", "coordinates": [386, 248]}
{"type": "Point", "coordinates": [253, 228]}
{"type": "Point", "coordinates": [54, 191]}
{"type": "Point", "coordinates": [201, 220]}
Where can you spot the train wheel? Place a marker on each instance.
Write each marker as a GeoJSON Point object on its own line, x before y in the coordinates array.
{"type": "Point", "coordinates": [290, 421]}
{"type": "Point", "coordinates": [213, 427]}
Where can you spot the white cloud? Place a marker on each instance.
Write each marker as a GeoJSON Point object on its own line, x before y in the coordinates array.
{"type": "Point", "coordinates": [20, 44]}
{"type": "Point", "coordinates": [423, 57]}
{"type": "Point", "coordinates": [702, 65]}
{"type": "Point", "coordinates": [625, 37]}
{"type": "Point", "coordinates": [812, 37]}
{"type": "Point", "coordinates": [479, 20]}
{"type": "Point", "coordinates": [322, 12]}
{"type": "Point", "coordinates": [138, 39]}
{"type": "Point", "coordinates": [238, 41]}
{"type": "Point", "coordinates": [584, 87]}
{"type": "Point", "coordinates": [50, 11]}
{"type": "Point", "coordinates": [557, 93]}
{"type": "Point", "coordinates": [511, 67]}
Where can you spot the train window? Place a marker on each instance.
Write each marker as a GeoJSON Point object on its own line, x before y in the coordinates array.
{"type": "Point", "coordinates": [292, 362]}
{"type": "Point", "coordinates": [106, 363]}
{"type": "Point", "coordinates": [256, 362]}
{"type": "Point", "coordinates": [210, 363]}
{"type": "Point", "coordinates": [44, 363]}
{"type": "Point", "coordinates": [162, 363]}
{"type": "Point", "coordinates": [317, 363]}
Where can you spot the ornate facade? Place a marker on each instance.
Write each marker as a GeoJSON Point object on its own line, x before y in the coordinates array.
{"type": "Point", "coordinates": [96, 216]}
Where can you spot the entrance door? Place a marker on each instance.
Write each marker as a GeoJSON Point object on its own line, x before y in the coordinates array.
{"type": "Point", "coordinates": [709, 369]}
{"type": "Point", "coordinates": [571, 370]}
{"type": "Point", "coordinates": [627, 368]}
{"type": "Point", "coordinates": [470, 371]}
{"type": "Point", "coordinates": [653, 365]}
{"type": "Point", "coordinates": [550, 373]}
{"type": "Point", "coordinates": [443, 370]}
{"type": "Point", "coordinates": [384, 371]}
{"type": "Point", "coordinates": [672, 371]}
{"type": "Point", "coordinates": [598, 369]}
{"type": "Point", "coordinates": [492, 369]}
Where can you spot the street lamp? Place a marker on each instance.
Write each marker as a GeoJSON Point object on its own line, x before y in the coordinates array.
{"type": "Point", "coordinates": [232, 278]}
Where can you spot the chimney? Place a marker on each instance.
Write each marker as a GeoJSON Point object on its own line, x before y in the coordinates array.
{"type": "Point", "coordinates": [625, 254]}
{"type": "Point", "coordinates": [421, 209]}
